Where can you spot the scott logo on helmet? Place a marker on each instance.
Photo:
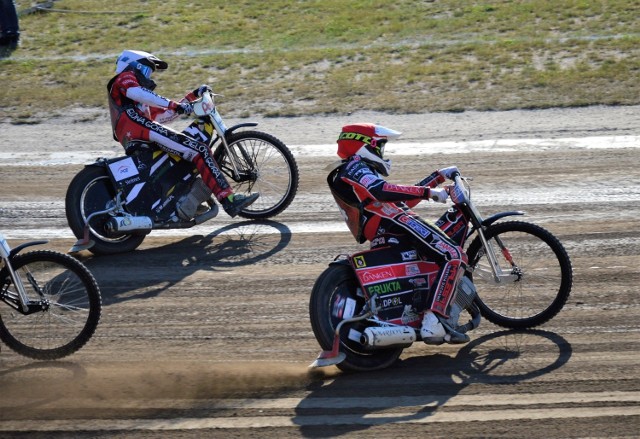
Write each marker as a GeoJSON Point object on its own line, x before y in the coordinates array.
{"type": "Point", "coordinates": [355, 136]}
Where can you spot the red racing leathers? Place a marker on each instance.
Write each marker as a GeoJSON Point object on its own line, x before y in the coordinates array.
{"type": "Point", "coordinates": [137, 113]}
{"type": "Point", "coordinates": [373, 207]}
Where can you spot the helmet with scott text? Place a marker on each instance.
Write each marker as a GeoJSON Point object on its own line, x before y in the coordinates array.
{"type": "Point", "coordinates": [141, 63]}
{"type": "Point", "coordinates": [367, 140]}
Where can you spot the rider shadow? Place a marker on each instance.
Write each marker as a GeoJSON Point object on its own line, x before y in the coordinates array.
{"type": "Point", "coordinates": [146, 273]}
{"type": "Point", "coordinates": [418, 388]}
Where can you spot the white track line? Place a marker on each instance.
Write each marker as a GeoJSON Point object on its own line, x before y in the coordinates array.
{"type": "Point", "coordinates": [329, 150]}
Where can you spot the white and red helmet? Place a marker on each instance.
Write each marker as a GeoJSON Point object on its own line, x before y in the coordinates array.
{"type": "Point", "coordinates": [142, 62]}
{"type": "Point", "coordinates": [367, 140]}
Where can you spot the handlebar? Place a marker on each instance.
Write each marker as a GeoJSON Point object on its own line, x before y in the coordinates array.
{"type": "Point", "coordinates": [460, 192]}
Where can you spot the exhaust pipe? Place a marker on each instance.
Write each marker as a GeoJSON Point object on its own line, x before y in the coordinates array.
{"type": "Point", "coordinates": [334, 356]}
{"type": "Point", "coordinates": [129, 224]}
{"type": "Point", "coordinates": [377, 337]}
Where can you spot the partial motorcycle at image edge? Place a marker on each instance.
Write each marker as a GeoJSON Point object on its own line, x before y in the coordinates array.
{"type": "Point", "coordinates": [50, 303]}
{"type": "Point", "coordinates": [367, 307]}
{"type": "Point", "coordinates": [112, 204]}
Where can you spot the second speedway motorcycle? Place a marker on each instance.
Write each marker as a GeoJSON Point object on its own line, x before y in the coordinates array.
{"type": "Point", "coordinates": [365, 307]}
{"type": "Point", "coordinates": [50, 303]}
{"type": "Point", "coordinates": [112, 204]}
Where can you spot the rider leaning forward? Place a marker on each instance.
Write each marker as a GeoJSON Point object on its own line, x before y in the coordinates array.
{"type": "Point", "coordinates": [137, 113]}
{"type": "Point", "coordinates": [374, 208]}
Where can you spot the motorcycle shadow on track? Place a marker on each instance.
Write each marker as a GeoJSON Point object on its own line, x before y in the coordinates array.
{"type": "Point", "coordinates": [418, 388]}
{"type": "Point", "coordinates": [146, 273]}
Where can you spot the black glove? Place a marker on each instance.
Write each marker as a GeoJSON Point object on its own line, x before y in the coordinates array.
{"type": "Point", "coordinates": [184, 108]}
{"type": "Point", "coordinates": [200, 90]}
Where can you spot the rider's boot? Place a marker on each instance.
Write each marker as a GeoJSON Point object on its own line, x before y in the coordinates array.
{"type": "Point", "coordinates": [234, 203]}
{"type": "Point", "coordinates": [436, 330]}
{"type": "Point", "coordinates": [432, 331]}
{"type": "Point", "coordinates": [191, 205]}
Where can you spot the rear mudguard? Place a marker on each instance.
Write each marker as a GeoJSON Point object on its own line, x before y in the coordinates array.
{"type": "Point", "coordinates": [341, 260]}
{"type": "Point", "coordinates": [100, 162]}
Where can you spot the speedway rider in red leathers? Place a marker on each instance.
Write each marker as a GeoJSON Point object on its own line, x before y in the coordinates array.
{"type": "Point", "coordinates": [373, 207]}
{"type": "Point", "coordinates": [137, 113]}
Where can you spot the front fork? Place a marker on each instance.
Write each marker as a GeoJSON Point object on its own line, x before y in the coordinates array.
{"type": "Point", "coordinates": [23, 299]}
{"type": "Point", "coordinates": [21, 302]}
{"type": "Point", "coordinates": [213, 128]}
{"type": "Point", "coordinates": [499, 275]}
{"type": "Point", "coordinates": [480, 225]}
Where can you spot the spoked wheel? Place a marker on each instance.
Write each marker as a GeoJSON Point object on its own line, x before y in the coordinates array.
{"type": "Point", "coordinates": [537, 276]}
{"type": "Point", "coordinates": [336, 296]}
{"type": "Point", "coordinates": [266, 166]}
{"type": "Point", "coordinates": [66, 305]}
{"type": "Point", "coordinates": [91, 191]}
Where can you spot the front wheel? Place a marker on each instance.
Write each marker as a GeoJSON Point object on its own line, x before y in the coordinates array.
{"type": "Point", "coordinates": [266, 166]}
{"type": "Point", "coordinates": [91, 191]}
{"type": "Point", "coordinates": [69, 300]}
{"type": "Point", "coordinates": [537, 275]}
{"type": "Point", "coordinates": [337, 296]}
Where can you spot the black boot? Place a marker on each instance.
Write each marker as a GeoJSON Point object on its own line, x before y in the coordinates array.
{"type": "Point", "coordinates": [234, 205]}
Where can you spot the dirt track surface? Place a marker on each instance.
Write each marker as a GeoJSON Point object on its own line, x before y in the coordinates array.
{"type": "Point", "coordinates": [207, 334]}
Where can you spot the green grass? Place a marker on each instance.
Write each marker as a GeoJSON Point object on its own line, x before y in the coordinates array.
{"type": "Point", "coordinates": [278, 58]}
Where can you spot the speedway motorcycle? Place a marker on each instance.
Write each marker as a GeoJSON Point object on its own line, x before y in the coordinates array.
{"type": "Point", "coordinates": [366, 308]}
{"type": "Point", "coordinates": [112, 204]}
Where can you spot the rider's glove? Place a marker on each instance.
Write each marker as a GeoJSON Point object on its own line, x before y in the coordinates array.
{"type": "Point", "coordinates": [198, 92]}
{"type": "Point", "coordinates": [181, 107]}
{"type": "Point", "coordinates": [438, 194]}
{"type": "Point", "coordinates": [449, 173]}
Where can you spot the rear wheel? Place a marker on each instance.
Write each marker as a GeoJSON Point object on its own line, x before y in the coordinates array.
{"type": "Point", "coordinates": [337, 296]}
{"type": "Point", "coordinates": [266, 166]}
{"type": "Point", "coordinates": [537, 282]}
{"type": "Point", "coordinates": [91, 191]}
{"type": "Point", "coordinates": [67, 305]}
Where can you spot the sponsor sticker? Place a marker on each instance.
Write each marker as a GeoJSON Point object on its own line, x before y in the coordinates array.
{"type": "Point", "coordinates": [409, 315]}
{"type": "Point", "coordinates": [354, 335]}
{"type": "Point", "coordinates": [349, 308]}
{"type": "Point", "coordinates": [412, 269]}
{"type": "Point", "coordinates": [410, 255]}
{"type": "Point", "coordinates": [414, 225]}
{"type": "Point", "coordinates": [359, 261]}
{"type": "Point", "coordinates": [391, 302]}
{"type": "Point", "coordinates": [375, 275]}
{"type": "Point", "coordinates": [377, 241]}
{"type": "Point", "coordinates": [385, 288]}
{"type": "Point", "coordinates": [123, 169]}
{"type": "Point", "coordinates": [446, 248]}
{"type": "Point", "coordinates": [367, 180]}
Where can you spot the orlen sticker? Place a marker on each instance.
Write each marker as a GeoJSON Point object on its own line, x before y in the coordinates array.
{"type": "Point", "coordinates": [122, 169]}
